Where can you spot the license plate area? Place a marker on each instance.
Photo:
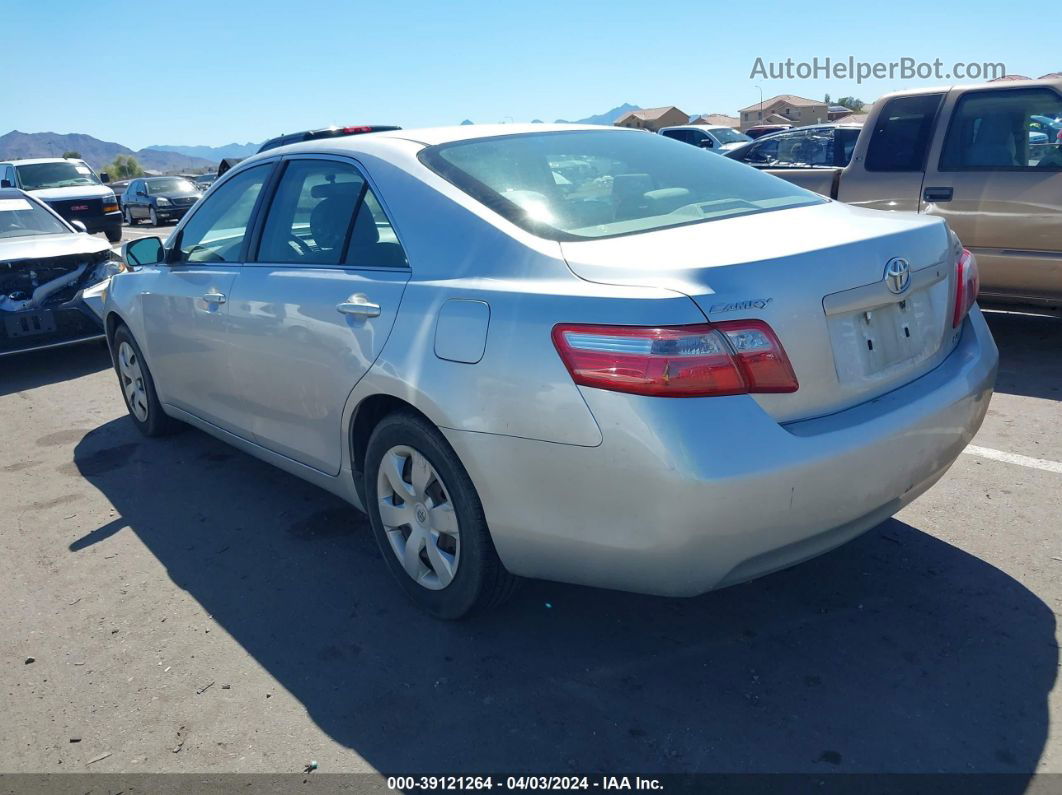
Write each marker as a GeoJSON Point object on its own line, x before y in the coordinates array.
{"type": "Point", "coordinates": [29, 324]}
{"type": "Point", "coordinates": [876, 342]}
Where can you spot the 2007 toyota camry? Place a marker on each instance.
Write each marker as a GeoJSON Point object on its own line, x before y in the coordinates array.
{"type": "Point", "coordinates": [584, 354]}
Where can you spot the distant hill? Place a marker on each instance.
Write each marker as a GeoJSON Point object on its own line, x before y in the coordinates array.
{"type": "Point", "coordinates": [607, 118]}
{"type": "Point", "coordinates": [96, 153]}
{"type": "Point", "coordinates": [213, 153]}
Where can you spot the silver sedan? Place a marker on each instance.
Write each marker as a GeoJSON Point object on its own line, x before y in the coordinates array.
{"type": "Point", "coordinates": [575, 353]}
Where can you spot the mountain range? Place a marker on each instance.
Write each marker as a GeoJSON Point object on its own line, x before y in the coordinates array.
{"type": "Point", "coordinates": [97, 153]}
{"type": "Point", "coordinates": [213, 153]}
{"type": "Point", "coordinates": [170, 158]}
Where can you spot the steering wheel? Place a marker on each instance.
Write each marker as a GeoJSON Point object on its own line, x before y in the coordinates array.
{"type": "Point", "coordinates": [301, 246]}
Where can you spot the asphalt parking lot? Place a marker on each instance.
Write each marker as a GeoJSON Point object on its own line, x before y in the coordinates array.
{"type": "Point", "coordinates": [188, 608]}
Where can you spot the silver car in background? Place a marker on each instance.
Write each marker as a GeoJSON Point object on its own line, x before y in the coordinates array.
{"type": "Point", "coordinates": [582, 354]}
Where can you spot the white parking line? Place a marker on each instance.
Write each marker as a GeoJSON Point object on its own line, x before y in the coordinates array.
{"type": "Point", "coordinates": [1014, 458]}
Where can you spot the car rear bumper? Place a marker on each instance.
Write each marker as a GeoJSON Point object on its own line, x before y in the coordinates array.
{"type": "Point", "coordinates": [687, 495]}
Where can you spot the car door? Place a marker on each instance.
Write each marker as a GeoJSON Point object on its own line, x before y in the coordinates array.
{"type": "Point", "coordinates": [999, 191]}
{"type": "Point", "coordinates": [137, 208]}
{"type": "Point", "coordinates": [311, 313]}
{"type": "Point", "coordinates": [185, 313]}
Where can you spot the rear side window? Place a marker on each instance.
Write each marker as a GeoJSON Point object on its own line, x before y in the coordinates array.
{"type": "Point", "coordinates": [217, 230]}
{"type": "Point", "coordinates": [1009, 130]}
{"type": "Point", "coordinates": [901, 135]}
{"type": "Point", "coordinates": [678, 135]}
{"type": "Point", "coordinates": [324, 213]}
{"type": "Point", "coordinates": [844, 145]}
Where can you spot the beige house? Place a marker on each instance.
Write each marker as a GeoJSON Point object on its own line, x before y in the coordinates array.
{"type": "Point", "coordinates": [653, 118]}
{"type": "Point", "coordinates": [718, 120]}
{"type": "Point", "coordinates": [785, 109]}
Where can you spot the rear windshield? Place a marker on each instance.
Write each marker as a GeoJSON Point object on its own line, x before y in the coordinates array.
{"type": "Point", "coordinates": [22, 218]}
{"type": "Point", "coordinates": [588, 184]}
{"type": "Point", "coordinates": [158, 187]}
{"type": "Point", "coordinates": [55, 175]}
{"type": "Point", "coordinates": [727, 136]}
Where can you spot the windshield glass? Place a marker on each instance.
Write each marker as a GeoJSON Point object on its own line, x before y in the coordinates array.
{"type": "Point", "coordinates": [588, 184]}
{"type": "Point", "coordinates": [728, 136]}
{"type": "Point", "coordinates": [55, 175]}
{"type": "Point", "coordinates": [157, 187]}
{"type": "Point", "coordinates": [20, 218]}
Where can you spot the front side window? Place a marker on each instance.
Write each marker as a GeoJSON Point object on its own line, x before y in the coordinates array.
{"type": "Point", "coordinates": [217, 230]}
{"type": "Point", "coordinates": [591, 184]}
{"type": "Point", "coordinates": [20, 217]}
{"type": "Point", "coordinates": [1004, 131]}
{"type": "Point", "coordinates": [64, 174]}
{"type": "Point", "coordinates": [902, 133]}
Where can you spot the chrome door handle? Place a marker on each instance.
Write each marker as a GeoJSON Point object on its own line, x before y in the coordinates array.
{"type": "Point", "coordinates": [359, 305]}
{"type": "Point", "coordinates": [214, 298]}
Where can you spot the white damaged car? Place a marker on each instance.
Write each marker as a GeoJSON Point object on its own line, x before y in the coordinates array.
{"type": "Point", "coordinates": [52, 277]}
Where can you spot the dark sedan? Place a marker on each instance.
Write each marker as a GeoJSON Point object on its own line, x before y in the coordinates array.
{"type": "Point", "coordinates": [158, 199]}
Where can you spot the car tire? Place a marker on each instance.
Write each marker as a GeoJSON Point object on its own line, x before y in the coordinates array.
{"type": "Point", "coordinates": [153, 216]}
{"type": "Point", "coordinates": [454, 569]}
{"type": "Point", "coordinates": [114, 235]}
{"type": "Point", "coordinates": [138, 387]}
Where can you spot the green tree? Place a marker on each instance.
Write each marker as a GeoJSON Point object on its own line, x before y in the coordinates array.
{"type": "Point", "coordinates": [124, 167]}
{"type": "Point", "coordinates": [853, 104]}
{"type": "Point", "coordinates": [826, 99]}
{"type": "Point", "coordinates": [72, 155]}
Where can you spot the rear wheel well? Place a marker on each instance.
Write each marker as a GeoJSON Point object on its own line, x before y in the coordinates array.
{"type": "Point", "coordinates": [367, 416]}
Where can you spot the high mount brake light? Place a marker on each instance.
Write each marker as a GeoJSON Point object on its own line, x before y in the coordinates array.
{"type": "Point", "coordinates": [710, 359]}
{"type": "Point", "coordinates": [968, 284]}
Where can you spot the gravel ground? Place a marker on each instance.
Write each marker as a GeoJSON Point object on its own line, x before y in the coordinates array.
{"type": "Point", "coordinates": [181, 606]}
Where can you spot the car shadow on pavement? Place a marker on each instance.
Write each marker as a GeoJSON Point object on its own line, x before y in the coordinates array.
{"type": "Point", "coordinates": [896, 652]}
{"type": "Point", "coordinates": [34, 369]}
{"type": "Point", "coordinates": [1029, 353]}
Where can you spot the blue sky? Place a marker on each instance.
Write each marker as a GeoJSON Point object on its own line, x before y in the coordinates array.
{"type": "Point", "coordinates": [193, 72]}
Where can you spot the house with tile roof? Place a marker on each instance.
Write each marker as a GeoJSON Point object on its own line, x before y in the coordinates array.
{"type": "Point", "coordinates": [785, 109]}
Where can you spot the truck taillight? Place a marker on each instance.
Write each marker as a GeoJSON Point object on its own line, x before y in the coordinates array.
{"type": "Point", "coordinates": [968, 283]}
{"type": "Point", "coordinates": [731, 358]}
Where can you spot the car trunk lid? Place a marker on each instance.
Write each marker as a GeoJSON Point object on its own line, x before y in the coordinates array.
{"type": "Point", "coordinates": [816, 275]}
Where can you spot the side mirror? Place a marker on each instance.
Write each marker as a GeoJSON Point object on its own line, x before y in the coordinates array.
{"type": "Point", "coordinates": [105, 177]}
{"type": "Point", "coordinates": [6, 183]}
{"type": "Point", "coordinates": [80, 227]}
{"type": "Point", "coordinates": [145, 251]}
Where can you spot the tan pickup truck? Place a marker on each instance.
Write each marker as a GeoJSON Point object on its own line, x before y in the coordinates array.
{"type": "Point", "coordinates": [985, 157]}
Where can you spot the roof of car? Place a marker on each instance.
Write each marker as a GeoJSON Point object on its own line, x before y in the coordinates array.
{"type": "Point", "coordinates": [32, 161]}
{"type": "Point", "coordinates": [696, 127]}
{"type": "Point", "coordinates": [11, 193]}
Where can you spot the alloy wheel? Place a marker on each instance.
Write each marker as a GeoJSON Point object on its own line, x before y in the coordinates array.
{"type": "Point", "coordinates": [418, 517]}
{"type": "Point", "coordinates": [133, 381]}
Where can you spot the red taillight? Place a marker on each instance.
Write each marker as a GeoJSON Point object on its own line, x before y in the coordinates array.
{"type": "Point", "coordinates": [968, 284]}
{"type": "Point", "coordinates": [731, 358]}
{"type": "Point", "coordinates": [362, 128]}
